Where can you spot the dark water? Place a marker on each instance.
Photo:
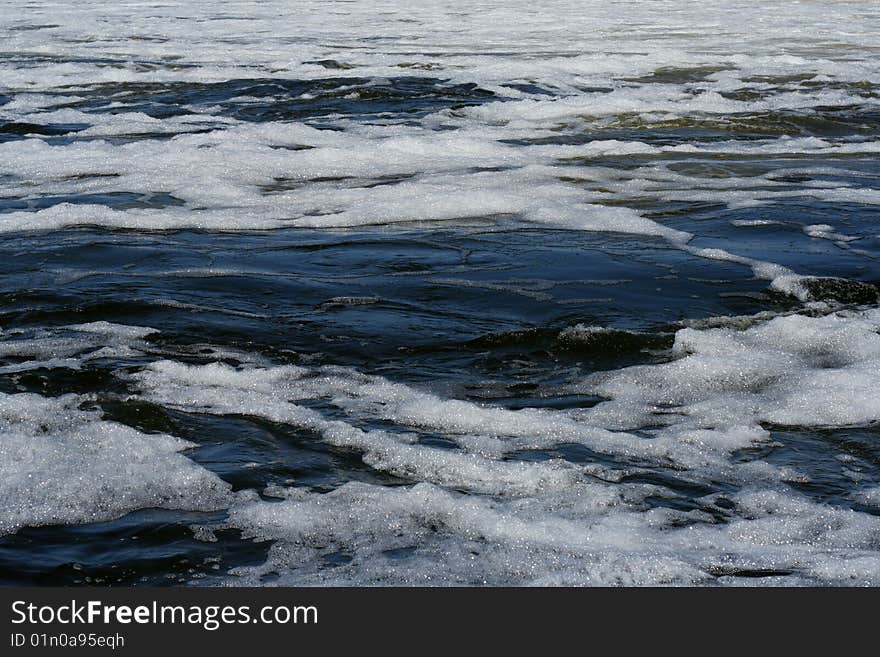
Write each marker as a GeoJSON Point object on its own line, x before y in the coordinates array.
{"type": "Point", "coordinates": [472, 308]}
{"type": "Point", "coordinates": [475, 312]}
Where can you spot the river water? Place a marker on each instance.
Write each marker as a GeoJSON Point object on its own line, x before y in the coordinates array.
{"type": "Point", "coordinates": [481, 293]}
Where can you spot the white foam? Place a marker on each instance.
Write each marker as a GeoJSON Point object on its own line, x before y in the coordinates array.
{"type": "Point", "coordinates": [792, 370]}
{"type": "Point", "coordinates": [827, 232]}
{"type": "Point", "coordinates": [498, 504]}
{"type": "Point", "coordinates": [553, 522]}
{"type": "Point", "coordinates": [71, 346]}
{"type": "Point", "coordinates": [241, 176]}
{"type": "Point", "coordinates": [588, 537]}
{"type": "Point", "coordinates": [63, 465]}
{"type": "Point", "coordinates": [270, 393]}
{"type": "Point", "coordinates": [488, 517]}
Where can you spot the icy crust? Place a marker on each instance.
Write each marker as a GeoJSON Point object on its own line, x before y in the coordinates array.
{"type": "Point", "coordinates": [491, 516]}
{"type": "Point", "coordinates": [63, 465]}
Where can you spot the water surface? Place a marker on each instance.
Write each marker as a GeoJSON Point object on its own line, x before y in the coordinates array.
{"type": "Point", "coordinates": [366, 293]}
